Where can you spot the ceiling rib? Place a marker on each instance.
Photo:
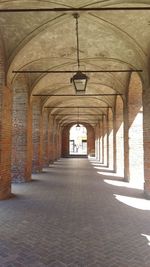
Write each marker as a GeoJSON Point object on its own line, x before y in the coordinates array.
{"type": "Point", "coordinates": [81, 107]}
{"type": "Point", "coordinates": [73, 71]}
{"type": "Point", "coordinates": [86, 95]}
{"type": "Point", "coordinates": [75, 114]}
{"type": "Point", "coordinates": [83, 9]}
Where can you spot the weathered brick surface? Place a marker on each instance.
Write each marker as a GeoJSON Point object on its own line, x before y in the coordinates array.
{"type": "Point", "coordinates": [101, 143]}
{"type": "Point", "coordinates": [5, 132]}
{"type": "Point", "coordinates": [146, 129]}
{"type": "Point", "coordinates": [53, 140]}
{"type": "Point", "coordinates": [110, 139]}
{"type": "Point", "coordinates": [5, 141]}
{"type": "Point", "coordinates": [119, 132]}
{"type": "Point", "coordinates": [105, 140]}
{"type": "Point", "coordinates": [69, 217]}
{"type": "Point", "coordinates": [90, 140]}
{"type": "Point", "coordinates": [135, 130]}
{"type": "Point", "coordinates": [65, 141]}
{"type": "Point", "coordinates": [37, 138]}
{"type": "Point", "coordinates": [97, 141]}
{"type": "Point", "coordinates": [21, 132]}
{"type": "Point", "coordinates": [45, 139]}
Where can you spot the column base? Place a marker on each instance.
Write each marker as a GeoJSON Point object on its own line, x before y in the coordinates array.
{"type": "Point", "coordinates": [5, 195]}
{"type": "Point", "coordinates": [126, 179]}
{"type": "Point", "coordinates": [19, 179]}
{"type": "Point", "coordinates": [147, 189]}
{"type": "Point", "coordinates": [147, 194]}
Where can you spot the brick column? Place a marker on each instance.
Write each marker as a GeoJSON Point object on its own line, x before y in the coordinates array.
{"type": "Point", "coordinates": [105, 138]}
{"type": "Point", "coordinates": [126, 140]}
{"type": "Point", "coordinates": [45, 139]}
{"type": "Point", "coordinates": [90, 140]}
{"type": "Point", "coordinates": [119, 132]}
{"type": "Point", "coordinates": [110, 138]}
{"type": "Point", "coordinates": [55, 140]}
{"type": "Point", "coordinates": [37, 130]}
{"type": "Point", "coordinates": [146, 129]}
{"type": "Point", "coordinates": [5, 138]}
{"type": "Point", "coordinates": [58, 142]}
{"type": "Point", "coordinates": [97, 141]}
{"type": "Point", "coordinates": [65, 141]}
{"type": "Point", "coordinates": [135, 113]}
{"type": "Point", "coordinates": [101, 142]}
{"type": "Point", "coordinates": [5, 132]}
{"type": "Point", "coordinates": [51, 139]}
{"type": "Point", "coordinates": [21, 133]}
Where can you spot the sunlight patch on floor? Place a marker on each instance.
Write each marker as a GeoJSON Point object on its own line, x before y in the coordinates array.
{"type": "Point", "coordinates": [138, 203]}
{"type": "Point", "coordinates": [147, 237]}
{"type": "Point", "coordinates": [110, 174]}
{"type": "Point", "coordinates": [125, 184]}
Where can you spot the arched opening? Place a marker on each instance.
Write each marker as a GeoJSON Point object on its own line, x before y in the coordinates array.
{"type": "Point", "coordinates": [78, 140]}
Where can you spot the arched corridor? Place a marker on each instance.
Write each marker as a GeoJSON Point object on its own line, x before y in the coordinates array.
{"type": "Point", "coordinates": [67, 81]}
{"type": "Point", "coordinates": [81, 198]}
{"type": "Point", "coordinates": [72, 216]}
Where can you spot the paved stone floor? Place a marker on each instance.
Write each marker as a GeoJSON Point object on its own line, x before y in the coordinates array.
{"type": "Point", "coordinates": [72, 216]}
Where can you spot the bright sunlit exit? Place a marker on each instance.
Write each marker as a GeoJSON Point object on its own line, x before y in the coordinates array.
{"type": "Point", "coordinates": [78, 140]}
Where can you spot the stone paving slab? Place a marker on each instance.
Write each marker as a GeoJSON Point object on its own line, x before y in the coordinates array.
{"type": "Point", "coordinates": [68, 216]}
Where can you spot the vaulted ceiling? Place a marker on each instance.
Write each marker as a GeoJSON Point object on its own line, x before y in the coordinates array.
{"type": "Point", "coordinates": [109, 40]}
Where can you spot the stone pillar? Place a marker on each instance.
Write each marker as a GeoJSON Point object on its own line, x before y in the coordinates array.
{"type": "Point", "coordinates": [21, 133]}
{"type": "Point", "coordinates": [37, 131]}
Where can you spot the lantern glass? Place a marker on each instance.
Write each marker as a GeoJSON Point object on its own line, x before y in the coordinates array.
{"type": "Point", "coordinates": [80, 81]}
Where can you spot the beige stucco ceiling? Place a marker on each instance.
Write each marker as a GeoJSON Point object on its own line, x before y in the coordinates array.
{"type": "Point", "coordinates": [47, 41]}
